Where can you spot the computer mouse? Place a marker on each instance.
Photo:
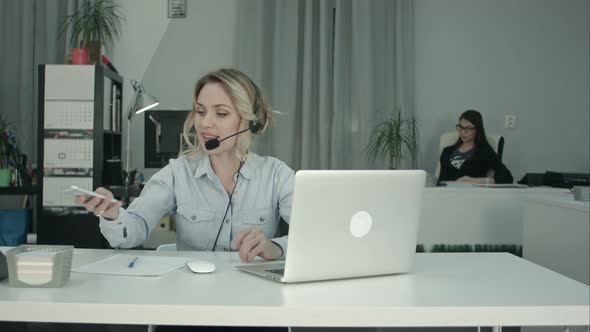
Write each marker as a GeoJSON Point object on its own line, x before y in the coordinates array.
{"type": "Point", "coordinates": [201, 266]}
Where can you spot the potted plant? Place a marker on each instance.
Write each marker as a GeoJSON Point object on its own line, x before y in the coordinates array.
{"type": "Point", "coordinates": [94, 24]}
{"type": "Point", "coordinates": [394, 139]}
{"type": "Point", "coordinates": [6, 151]}
{"type": "Point", "coordinates": [13, 222]}
{"type": "Point", "coordinates": [11, 159]}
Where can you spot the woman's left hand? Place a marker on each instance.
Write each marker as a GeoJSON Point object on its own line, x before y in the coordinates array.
{"type": "Point", "coordinates": [476, 180]}
{"type": "Point", "coordinates": [466, 179]}
{"type": "Point", "coordinates": [252, 242]}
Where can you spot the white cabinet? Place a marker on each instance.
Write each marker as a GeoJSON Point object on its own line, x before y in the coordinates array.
{"type": "Point", "coordinates": [557, 235]}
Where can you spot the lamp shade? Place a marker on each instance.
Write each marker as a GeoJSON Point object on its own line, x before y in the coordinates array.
{"type": "Point", "coordinates": [142, 101]}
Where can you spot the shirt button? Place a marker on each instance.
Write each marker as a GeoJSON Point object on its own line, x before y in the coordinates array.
{"type": "Point", "coordinates": [225, 249]}
{"type": "Point", "coordinates": [227, 221]}
{"type": "Point", "coordinates": [194, 217]}
{"type": "Point", "coordinates": [261, 219]}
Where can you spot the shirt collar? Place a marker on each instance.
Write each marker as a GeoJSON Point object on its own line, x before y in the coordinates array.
{"type": "Point", "coordinates": [204, 166]}
{"type": "Point", "coordinates": [248, 170]}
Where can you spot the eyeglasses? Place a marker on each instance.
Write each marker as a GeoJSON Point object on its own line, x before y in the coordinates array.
{"type": "Point", "coordinates": [460, 129]}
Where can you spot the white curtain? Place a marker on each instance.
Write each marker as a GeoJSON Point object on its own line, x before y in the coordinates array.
{"type": "Point", "coordinates": [333, 69]}
{"type": "Point", "coordinates": [28, 35]}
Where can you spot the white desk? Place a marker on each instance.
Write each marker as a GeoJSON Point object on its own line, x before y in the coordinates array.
{"type": "Point", "coordinates": [488, 289]}
{"type": "Point", "coordinates": [557, 235]}
{"type": "Point", "coordinates": [475, 215]}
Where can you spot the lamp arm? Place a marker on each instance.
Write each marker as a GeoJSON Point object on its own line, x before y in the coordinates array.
{"type": "Point", "coordinates": [130, 115]}
{"type": "Point", "coordinates": [158, 132]}
{"type": "Point", "coordinates": [131, 112]}
{"type": "Point", "coordinates": [127, 152]}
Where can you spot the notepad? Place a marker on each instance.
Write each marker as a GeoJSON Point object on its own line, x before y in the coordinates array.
{"type": "Point", "coordinates": [39, 265]}
{"type": "Point", "coordinates": [35, 267]}
{"type": "Point", "coordinates": [146, 266]}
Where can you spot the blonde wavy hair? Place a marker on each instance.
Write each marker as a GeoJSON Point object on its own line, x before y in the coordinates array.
{"type": "Point", "coordinates": [248, 101]}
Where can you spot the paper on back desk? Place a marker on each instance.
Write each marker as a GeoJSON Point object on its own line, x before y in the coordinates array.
{"type": "Point", "coordinates": [148, 266]}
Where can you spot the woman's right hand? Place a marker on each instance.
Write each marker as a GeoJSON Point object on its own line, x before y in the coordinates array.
{"type": "Point", "coordinates": [99, 206]}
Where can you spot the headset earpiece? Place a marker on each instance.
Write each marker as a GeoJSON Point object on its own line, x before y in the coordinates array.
{"type": "Point", "coordinates": [256, 125]}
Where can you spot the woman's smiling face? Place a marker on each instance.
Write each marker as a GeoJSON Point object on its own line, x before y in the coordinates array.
{"type": "Point", "coordinates": [216, 117]}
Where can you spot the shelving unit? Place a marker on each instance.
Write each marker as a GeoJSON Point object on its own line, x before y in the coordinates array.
{"type": "Point", "coordinates": [79, 144]}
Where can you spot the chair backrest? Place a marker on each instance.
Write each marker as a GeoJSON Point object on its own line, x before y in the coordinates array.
{"type": "Point", "coordinates": [449, 138]}
{"type": "Point", "coordinates": [166, 247]}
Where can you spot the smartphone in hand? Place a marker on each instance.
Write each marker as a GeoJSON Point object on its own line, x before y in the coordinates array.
{"type": "Point", "coordinates": [75, 190]}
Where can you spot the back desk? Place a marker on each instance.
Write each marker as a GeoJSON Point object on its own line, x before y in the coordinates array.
{"type": "Point", "coordinates": [464, 215]}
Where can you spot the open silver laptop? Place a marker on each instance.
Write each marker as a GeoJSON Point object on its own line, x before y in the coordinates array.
{"type": "Point", "coordinates": [348, 224]}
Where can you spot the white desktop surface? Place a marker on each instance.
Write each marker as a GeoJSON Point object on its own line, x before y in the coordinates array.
{"type": "Point", "coordinates": [474, 289]}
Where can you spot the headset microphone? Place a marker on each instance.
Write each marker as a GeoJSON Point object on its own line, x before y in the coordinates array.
{"type": "Point", "coordinates": [212, 144]}
{"type": "Point", "coordinates": [254, 125]}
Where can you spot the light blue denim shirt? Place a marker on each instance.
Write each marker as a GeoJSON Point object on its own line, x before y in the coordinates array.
{"type": "Point", "coordinates": [189, 189]}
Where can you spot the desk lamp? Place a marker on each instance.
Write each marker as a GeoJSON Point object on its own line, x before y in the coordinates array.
{"type": "Point", "coordinates": [142, 101]}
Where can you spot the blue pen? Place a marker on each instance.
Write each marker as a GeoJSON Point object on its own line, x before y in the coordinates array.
{"type": "Point", "coordinates": [132, 263]}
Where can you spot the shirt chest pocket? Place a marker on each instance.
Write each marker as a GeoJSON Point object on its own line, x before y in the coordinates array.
{"type": "Point", "coordinates": [259, 218]}
{"type": "Point", "coordinates": [194, 227]}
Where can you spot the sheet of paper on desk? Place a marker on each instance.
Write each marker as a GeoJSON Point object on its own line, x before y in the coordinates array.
{"type": "Point", "coordinates": [147, 266]}
{"type": "Point", "coordinates": [457, 184]}
{"type": "Point", "coordinates": [501, 185]}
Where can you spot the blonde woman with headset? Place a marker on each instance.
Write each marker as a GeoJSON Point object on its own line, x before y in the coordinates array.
{"type": "Point", "coordinates": [224, 196]}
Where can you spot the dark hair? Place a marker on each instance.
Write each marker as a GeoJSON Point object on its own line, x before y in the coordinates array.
{"type": "Point", "coordinates": [475, 118]}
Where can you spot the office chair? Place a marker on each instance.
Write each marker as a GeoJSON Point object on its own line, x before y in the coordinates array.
{"type": "Point", "coordinates": [449, 138]}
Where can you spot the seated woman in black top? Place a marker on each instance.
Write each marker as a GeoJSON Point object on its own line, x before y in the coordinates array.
{"type": "Point", "coordinates": [471, 157]}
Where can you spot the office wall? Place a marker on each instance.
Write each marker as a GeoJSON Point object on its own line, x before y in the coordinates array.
{"type": "Point", "coordinates": [527, 58]}
{"type": "Point", "coordinates": [169, 55]}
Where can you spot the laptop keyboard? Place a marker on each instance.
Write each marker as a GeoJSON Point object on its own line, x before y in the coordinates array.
{"type": "Point", "coordinates": [277, 271]}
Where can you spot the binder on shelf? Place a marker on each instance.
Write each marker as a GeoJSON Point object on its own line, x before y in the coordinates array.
{"type": "Point", "coordinates": [107, 115]}
{"type": "Point", "coordinates": [111, 110]}
{"type": "Point", "coordinates": [117, 108]}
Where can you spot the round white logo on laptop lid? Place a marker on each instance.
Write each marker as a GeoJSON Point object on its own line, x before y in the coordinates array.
{"type": "Point", "coordinates": [360, 224]}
